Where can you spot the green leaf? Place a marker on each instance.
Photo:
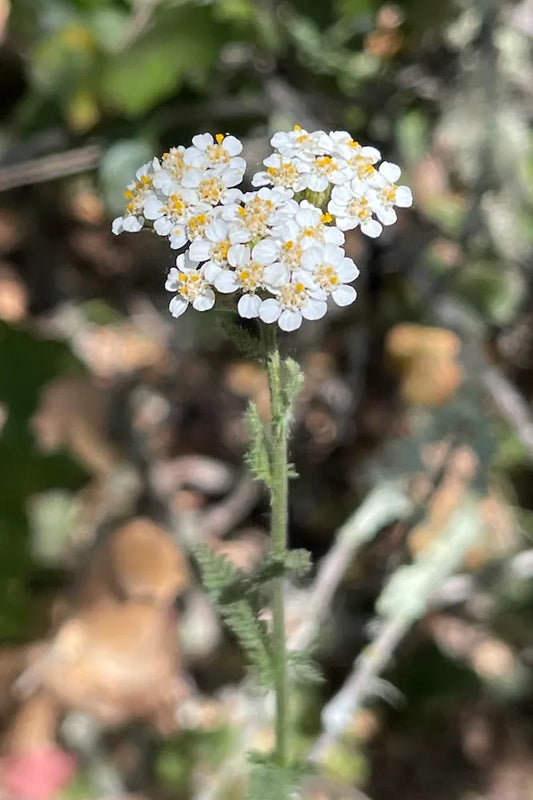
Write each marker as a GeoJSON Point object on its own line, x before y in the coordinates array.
{"type": "Point", "coordinates": [182, 40]}
{"type": "Point", "coordinates": [258, 456]}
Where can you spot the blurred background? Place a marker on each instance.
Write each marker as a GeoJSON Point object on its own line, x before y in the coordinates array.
{"type": "Point", "coordinates": [121, 430]}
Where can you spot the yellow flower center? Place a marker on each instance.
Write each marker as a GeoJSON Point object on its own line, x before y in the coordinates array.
{"type": "Point", "coordinates": [250, 277]}
{"type": "Point", "coordinates": [387, 195]}
{"type": "Point", "coordinates": [219, 251]}
{"type": "Point", "coordinates": [360, 208]}
{"type": "Point", "coordinates": [291, 254]}
{"type": "Point", "coordinates": [136, 194]}
{"type": "Point", "coordinates": [217, 153]}
{"type": "Point", "coordinates": [292, 296]}
{"type": "Point", "coordinates": [325, 164]}
{"type": "Point", "coordinates": [211, 190]}
{"type": "Point", "coordinates": [196, 226]}
{"type": "Point", "coordinates": [173, 162]}
{"type": "Point", "coordinates": [175, 206]}
{"type": "Point", "coordinates": [255, 215]}
{"type": "Point", "coordinates": [326, 276]}
{"type": "Point", "coordinates": [283, 175]}
{"type": "Point", "coordinates": [192, 284]}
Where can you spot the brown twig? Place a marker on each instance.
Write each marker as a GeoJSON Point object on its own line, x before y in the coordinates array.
{"type": "Point", "coordinates": [48, 168]}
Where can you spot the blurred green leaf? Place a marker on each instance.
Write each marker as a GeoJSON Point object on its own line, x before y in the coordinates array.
{"type": "Point", "coordinates": [182, 40]}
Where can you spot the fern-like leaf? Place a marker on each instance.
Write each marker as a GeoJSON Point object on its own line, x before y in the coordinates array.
{"type": "Point", "coordinates": [258, 457]}
{"type": "Point", "coordinates": [245, 341]}
{"type": "Point", "coordinates": [302, 669]}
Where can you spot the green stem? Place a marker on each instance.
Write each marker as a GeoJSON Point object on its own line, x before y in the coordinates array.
{"type": "Point", "coordinates": [278, 523]}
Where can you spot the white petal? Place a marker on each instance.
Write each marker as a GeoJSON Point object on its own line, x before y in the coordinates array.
{"type": "Point", "coordinates": [347, 270]}
{"type": "Point", "coordinates": [132, 224]}
{"type": "Point", "coordinates": [249, 305]}
{"type": "Point", "coordinates": [193, 157]}
{"type": "Point", "coordinates": [231, 176]}
{"type": "Point", "coordinates": [232, 145]}
{"type": "Point", "coordinates": [204, 301]}
{"type": "Point", "coordinates": [192, 178]}
{"type": "Point", "coordinates": [163, 226]}
{"type": "Point", "coordinates": [216, 231]}
{"type": "Point", "coordinates": [177, 306]}
{"type": "Point", "coordinates": [314, 309]}
{"type": "Point", "coordinates": [202, 140]}
{"type": "Point", "coordinates": [386, 215]}
{"type": "Point", "coordinates": [211, 271]}
{"type": "Point", "coordinates": [404, 197]}
{"type": "Point", "coordinates": [266, 251]}
{"type": "Point", "coordinates": [344, 295]}
{"type": "Point", "coordinates": [334, 235]}
{"type": "Point", "coordinates": [312, 257]}
{"type": "Point", "coordinates": [346, 223]}
{"type": "Point", "coordinates": [238, 164]}
{"type": "Point", "coordinates": [261, 179]}
{"type": "Point", "coordinates": [317, 183]}
{"type": "Point", "coordinates": [390, 171]}
{"type": "Point", "coordinates": [152, 207]}
{"type": "Point", "coordinates": [333, 255]}
{"type": "Point", "coordinates": [117, 225]}
{"type": "Point", "coordinates": [172, 281]}
{"type": "Point", "coordinates": [177, 237]}
{"type": "Point", "coordinates": [276, 275]}
{"type": "Point", "coordinates": [337, 209]}
{"type": "Point", "coordinates": [200, 250]}
{"type": "Point", "coordinates": [341, 194]}
{"type": "Point", "coordinates": [290, 320]}
{"type": "Point", "coordinates": [371, 152]}
{"type": "Point", "coordinates": [226, 282]}
{"type": "Point", "coordinates": [371, 228]}
{"type": "Point", "coordinates": [270, 310]}
{"type": "Point", "coordinates": [238, 255]}
{"type": "Point", "coordinates": [232, 196]}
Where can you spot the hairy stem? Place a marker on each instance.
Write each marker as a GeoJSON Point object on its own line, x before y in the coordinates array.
{"type": "Point", "coordinates": [278, 523]}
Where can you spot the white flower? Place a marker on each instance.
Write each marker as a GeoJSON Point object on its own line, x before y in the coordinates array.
{"type": "Point", "coordinates": [220, 154]}
{"type": "Point", "coordinates": [279, 171]}
{"type": "Point", "coordinates": [213, 247]}
{"type": "Point", "coordinates": [308, 226]}
{"type": "Point", "coordinates": [260, 210]}
{"type": "Point", "coordinates": [353, 208]}
{"type": "Point", "coordinates": [299, 298]}
{"type": "Point", "coordinates": [136, 193]}
{"type": "Point", "coordinates": [332, 271]}
{"type": "Point", "coordinates": [173, 168]}
{"type": "Point", "coordinates": [317, 174]}
{"type": "Point", "coordinates": [191, 286]}
{"type": "Point", "coordinates": [212, 188]}
{"type": "Point", "coordinates": [388, 194]}
{"type": "Point", "coordinates": [171, 214]}
{"type": "Point", "coordinates": [297, 142]}
{"type": "Point", "coordinates": [250, 274]}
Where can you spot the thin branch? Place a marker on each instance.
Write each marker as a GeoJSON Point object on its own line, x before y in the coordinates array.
{"type": "Point", "coordinates": [340, 710]}
{"type": "Point", "coordinates": [385, 504]}
{"type": "Point", "coordinates": [48, 168]}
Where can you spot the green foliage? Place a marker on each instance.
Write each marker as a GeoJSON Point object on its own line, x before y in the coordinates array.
{"type": "Point", "coordinates": [228, 588]}
{"type": "Point", "coordinates": [246, 342]}
{"type": "Point", "coordinates": [271, 781]}
{"type": "Point", "coordinates": [303, 670]}
{"type": "Point", "coordinates": [183, 40]}
{"type": "Point", "coordinates": [258, 456]}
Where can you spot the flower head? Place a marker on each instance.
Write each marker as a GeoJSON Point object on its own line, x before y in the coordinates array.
{"type": "Point", "coordinates": [190, 285]}
{"type": "Point", "coordinates": [278, 249]}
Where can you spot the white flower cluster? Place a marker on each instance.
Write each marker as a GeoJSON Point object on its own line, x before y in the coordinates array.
{"type": "Point", "coordinates": [279, 248]}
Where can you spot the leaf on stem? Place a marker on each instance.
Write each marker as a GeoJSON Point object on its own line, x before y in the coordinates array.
{"type": "Point", "coordinates": [258, 457]}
